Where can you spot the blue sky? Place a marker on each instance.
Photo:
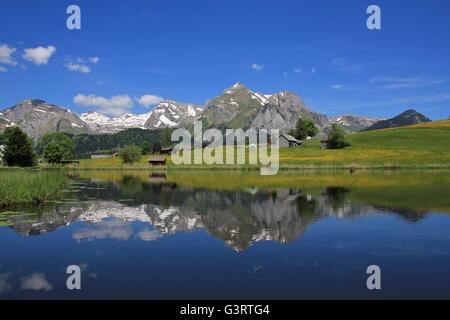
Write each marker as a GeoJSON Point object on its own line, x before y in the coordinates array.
{"type": "Point", "coordinates": [190, 51]}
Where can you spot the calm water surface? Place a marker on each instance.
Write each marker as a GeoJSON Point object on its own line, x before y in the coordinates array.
{"type": "Point", "coordinates": [229, 235]}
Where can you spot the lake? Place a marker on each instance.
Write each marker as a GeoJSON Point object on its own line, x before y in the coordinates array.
{"type": "Point", "coordinates": [231, 235]}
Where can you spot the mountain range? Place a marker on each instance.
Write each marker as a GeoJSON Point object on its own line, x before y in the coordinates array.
{"type": "Point", "coordinates": [236, 107]}
{"type": "Point", "coordinates": [166, 114]}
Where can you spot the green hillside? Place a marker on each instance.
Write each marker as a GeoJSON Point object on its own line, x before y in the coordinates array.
{"type": "Point", "coordinates": [427, 136]}
{"type": "Point", "coordinates": [422, 145]}
{"type": "Point", "coordinates": [419, 146]}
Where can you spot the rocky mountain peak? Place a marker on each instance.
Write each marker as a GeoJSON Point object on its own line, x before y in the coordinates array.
{"type": "Point", "coordinates": [33, 102]}
{"type": "Point", "coordinates": [354, 123]}
{"type": "Point", "coordinates": [406, 118]}
{"type": "Point", "coordinates": [37, 117]}
{"type": "Point", "coordinates": [172, 114]}
{"type": "Point", "coordinates": [234, 108]}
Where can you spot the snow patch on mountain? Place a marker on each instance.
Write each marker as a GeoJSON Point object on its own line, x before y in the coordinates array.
{"type": "Point", "coordinates": [354, 122]}
{"type": "Point", "coordinates": [170, 114]}
{"type": "Point", "coordinates": [103, 124]}
{"type": "Point", "coordinates": [166, 114]}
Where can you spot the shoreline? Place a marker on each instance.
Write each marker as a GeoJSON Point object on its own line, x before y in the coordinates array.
{"type": "Point", "coordinates": [237, 168]}
{"type": "Point", "coordinates": [376, 167]}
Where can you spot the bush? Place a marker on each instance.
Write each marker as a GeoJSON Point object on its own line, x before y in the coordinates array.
{"type": "Point", "coordinates": [130, 154]}
{"type": "Point", "coordinates": [336, 138]}
{"type": "Point", "coordinates": [305, 128]}
{"type": "Point", "coordinates": [19, 149]}
{"type": "Point", "coordinates": [53, 153]}
{"type": "Point", "coordinates": [61, 139]}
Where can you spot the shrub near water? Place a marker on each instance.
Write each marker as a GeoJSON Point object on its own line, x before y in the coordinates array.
{"type": "Point", "coordinates": [130, 154]}
{"type": "Point", "coordinates": [21, 187]}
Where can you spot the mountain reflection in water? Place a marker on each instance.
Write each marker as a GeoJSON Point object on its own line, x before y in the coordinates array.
{"type": "Point", "coordinates": [239, 218]}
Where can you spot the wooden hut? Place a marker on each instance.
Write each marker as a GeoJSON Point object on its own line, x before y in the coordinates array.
{"type": "Point", "coordinates": [288, 141]}
{"type": "Point", "coordinates": [157, 161]}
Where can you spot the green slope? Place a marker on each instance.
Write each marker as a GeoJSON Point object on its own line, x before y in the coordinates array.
{"type": "Point", "coordinates": [420, 146]}
{"type": "Point", "coordinates": [432, 136]}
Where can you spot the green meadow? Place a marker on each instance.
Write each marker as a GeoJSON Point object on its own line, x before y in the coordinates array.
{"type": "Point", "coordinates": [425, 145]}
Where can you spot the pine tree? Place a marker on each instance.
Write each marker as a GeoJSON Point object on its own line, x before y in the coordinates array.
{"type": "Point", "coordinates": [19, 149]}
{"type": "Point", "coordinates": [166, 137]}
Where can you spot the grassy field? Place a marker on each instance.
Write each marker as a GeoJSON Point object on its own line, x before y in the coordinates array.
{"type": "Point", "coordinates": [420, 146]}
{"type": "Point", "coordinates": [23, 186]}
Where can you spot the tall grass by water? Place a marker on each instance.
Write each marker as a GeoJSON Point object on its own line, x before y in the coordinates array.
{"type": "Point", "coordinates": [28, 186]}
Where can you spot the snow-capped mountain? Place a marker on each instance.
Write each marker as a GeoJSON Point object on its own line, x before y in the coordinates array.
{"type": "Point", "coordinates": [234, 108]}
{"type": "Point", "coordinates": [240, 107]}
{"type": "Point", "coordinates": [353, 123]}
{"type": "Point", "coordinates": [172, 114]}
{"type": "Point", "coordinates": [166, 114]}
{"type": "Point", "coordinates": [100, 123]}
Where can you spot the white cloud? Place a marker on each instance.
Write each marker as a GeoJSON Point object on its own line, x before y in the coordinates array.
{"type": "Point", "coordinates": [345, 87]}
{"type": "Point", "coordinates": [2, 69]}
{"type": "Point", "coordinates": [36, 282]}
{"type": "Point", "coordinates": [298, 70]}
{"type": "Point", "coordinates": [423, 99]}
{"type": "Point", "coordinates": [148, 100]}
{"type": "Point", "coordinates": [114, 229]}
{"type": "Point", "coordinates": [149, 235]}
{"type": "Point", "coordinates": [337, 86]}
{"type": "Point", "coordinates": [403, 83]}
{"type": "Point", "coordinates": [94, 60]}
{"type": "Point", "coordinates": [399, 101]}
{"type": "Point", "coordinates": [388, 83]}
{"type": "Point", "coordinates": [342, 65]}
{"type": "Point", "coordinates": [114, 106]}
{"type": "Point", "coordinates": [78, 67]}
{"type": "Point", "coordinates": [81, 64]}
{"type": "Point", "coordinates": [6, 53]}
{"type": "Point", "coordinates": [313, 71]}
{"type": "Point", "coordinates": [257, 67]}
{"type": "Point", "coordinates": [39, 55]}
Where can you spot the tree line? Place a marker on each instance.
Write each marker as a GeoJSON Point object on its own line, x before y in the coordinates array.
{"type": "Point", "coordinates": [56, 147]}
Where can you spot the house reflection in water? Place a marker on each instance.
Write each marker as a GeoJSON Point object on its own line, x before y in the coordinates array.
{"type": "Point", "coordinates": [157, 178]}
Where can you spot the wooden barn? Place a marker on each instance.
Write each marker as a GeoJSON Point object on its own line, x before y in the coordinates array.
{"type": "Point", "coordinates": [288, 141]}
{"type": "Point", "coordinates": [157, 161]}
